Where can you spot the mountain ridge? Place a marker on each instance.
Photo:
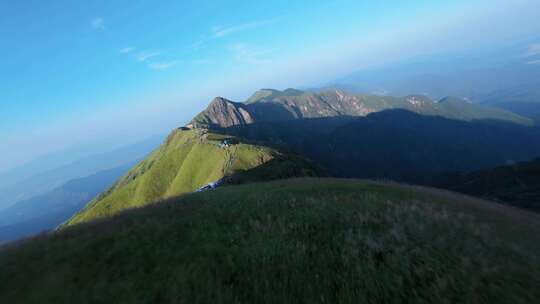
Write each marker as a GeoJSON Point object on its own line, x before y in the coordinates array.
{"type": "Point", "coordinates": [185, 162]}
{"type": "Point", "coordinates": [273, 105]}
{"type": "Point", "coordinates": [205, 152]}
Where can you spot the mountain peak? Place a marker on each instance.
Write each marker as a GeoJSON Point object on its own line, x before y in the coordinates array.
{"type": "Point", "coordinates": [219, 101]}
{"type": "Point", "coordinates": [222, 112]}
{"type": "Point", "coordinates": [262, 94]}
{"type": "Point", "coordinates": [269, 94]}
{"type": "Point", "coordinates": [292, 92]}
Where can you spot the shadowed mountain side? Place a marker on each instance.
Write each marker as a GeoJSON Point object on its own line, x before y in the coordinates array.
{"type": "Point", "coordinates": [399, 145]}
{"type": "Point", "coordinates": [282, 166]}
{"type": "Point", "coordinates": [517, 185]}
{"type": "Point", "coordinates": [272, 111]}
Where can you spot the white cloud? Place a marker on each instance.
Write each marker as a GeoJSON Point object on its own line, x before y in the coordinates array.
{"type": "Point", "coordinates": [143, 56]}
{"type": "Point", "coordinates": [163, 65]}
{"type": "Point", "coordinates": [534, 62]}
{"type": "Point", "coordinates": [127, 50]}
{"type": "Point", "coordinates": [250, 55]}
{"type": "Point", "coordinates": [533, 50]}
{"type": "Point", "coordinates": [98, 23]}
{"type": "Point", "coordinates": [222, 31]}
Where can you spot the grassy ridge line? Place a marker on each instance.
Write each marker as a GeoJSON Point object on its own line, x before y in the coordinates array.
{"type": "Point", "coordinates": [301, 241]}
{"type": "Point", "coordinates": [185, 162]}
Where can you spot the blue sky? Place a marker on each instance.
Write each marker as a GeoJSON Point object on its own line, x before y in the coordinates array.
{"type": "Point", "coordinates": [75, 72]}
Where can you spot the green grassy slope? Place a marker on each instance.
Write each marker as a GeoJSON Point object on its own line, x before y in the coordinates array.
{"type": "Point", "coordinates": [184, 163]}
{"type": "Point", "coordinates": [290, 241]}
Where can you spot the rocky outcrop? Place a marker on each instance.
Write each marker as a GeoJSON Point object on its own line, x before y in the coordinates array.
{"type": "Point", "coordinates": [223, 113]}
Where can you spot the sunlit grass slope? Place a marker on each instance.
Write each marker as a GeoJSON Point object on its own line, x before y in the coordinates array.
{"type": "Point", "coordinates": [187, 160]}
{"type": "Point", "coordinates": [289, 241]}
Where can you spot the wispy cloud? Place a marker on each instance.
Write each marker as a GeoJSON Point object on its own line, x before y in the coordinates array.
{"type": "Point", "coordinates": [145, 55]}
{"type": "Point", "coordinates": [163, 65]}
{"type": "Point", "coordinates": [98, 23]}
{"type": "Point", "coordinates": [203, 61]}
{"type": "Point", "coordinates": [247, 54]}
{"type": "Point", "coordinates": [534, 62]}
{"type": "Point", "coordinates": [197, 44]}
{"type": "Point", "coordinates": [533, 50]}
{"type": "Point", "coordinates": [222, 31]}
{"type": "Point", "coordinates": [146, 58]}
{"type": "Point", "coordinates": [127, 50]}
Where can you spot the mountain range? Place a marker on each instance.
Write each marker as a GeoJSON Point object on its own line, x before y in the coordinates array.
{"type": "Point", "coordinates": [201, 218]}
{"type": "Point", "coordinates": [506, 83]}
{"type": "Point", "coordinates": [398, 144]}
{"type": "Point", "coordinates": [410, 139]}
{"type": "Point", "coordinates": [44, 175]}
{"type": "Point", "coordinates": [46, 211]}
{"type": "Point", "coordinates": [273, 105]}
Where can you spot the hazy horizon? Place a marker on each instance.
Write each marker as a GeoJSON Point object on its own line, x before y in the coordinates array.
{"type": "Point", "coordinates": [80, 73]}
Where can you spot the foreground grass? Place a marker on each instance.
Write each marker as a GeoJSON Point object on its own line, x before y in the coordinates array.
{"type": "Point", "coordinates": [295, 241]}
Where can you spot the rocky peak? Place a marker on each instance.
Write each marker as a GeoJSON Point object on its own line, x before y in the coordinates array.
{"type": "Point", "coordinates": [223, 113]}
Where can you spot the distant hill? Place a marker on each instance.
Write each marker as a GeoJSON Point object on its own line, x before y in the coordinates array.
{"type": "Point", "coordinates": [517, 185]}
{"type": "Point", "coordinates": [42, 182]}
{"type": "Point", "coordinates": [289, 241]}
{"type": "Point", "coordinates": [513, 85]}
{"type": "Point", "coordinates": [187, 161]}
{"type": "Point", "coordinates": [469, 77]}
{"type": "Point", "coordinates": [273, 105]}
{"type": "Point", "coordinates": [47, 211]}
{"type": "Point", "coordinates": [525, 109]}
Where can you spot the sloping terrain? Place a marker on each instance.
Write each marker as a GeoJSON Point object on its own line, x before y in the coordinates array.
{"type": "Point", "coordinates": [188, 160]}
{"type": "Point", "coordinates": [273, 105]}
{"type": "Point", "coordinates": [517, 185]}
{"type": "Point", "coordinates": [290, 241]}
